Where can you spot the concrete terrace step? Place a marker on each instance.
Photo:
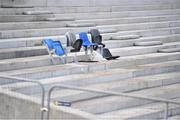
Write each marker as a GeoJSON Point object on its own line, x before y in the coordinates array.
{"type": "Point", "coordinates": [97, 77]}
{"type": "Point", "coordinates": [57, 10]}
{"type": "Point", "coordinates": [126, 51]}
{"type": "Point", "coordinates": [130, 42]}
{"type": "Point", "coordinates": [37, 41]}
{"type": "Point", "coordinates": [127, 37]}
{"type": "Point", "coordinates": [81, 25]}
{"type": "Point", "coordinates": [28, 41]}
{"type": "Point", "coordinates": [113, 103]}
{"type": "Point", "coordinates": [54, 71]}
{"type": "Point", "coordinates": [177, 117]}
{"type": "Point", "coordinates": [35, 61]}
{"type": "Point", "coordinates": [24, 18]}
{"type": "Point", "coordinates": [144, 7]}
{"type": "Point", "coordinates": [149, 111]}
{"type": "Point", "coordinates": [22, 52]}
{"type": "Point", "coordinates": [36, 12]}
{"type": "Point", "coordinates": [148, 33]}
{"type": "Point", "coordinates": [140, 70]}
{"type": "Point", "coordinates": [127, 20]}
{"type": "Point", "coordinates": [170, 50]}
{"type": "Point", "coordinates": [148, 43]}
{"type": "Point", "coordinates": [47, 71]}
{"type": "Point", "coordinates": [60, 19]}
{"type": "Point", "coordinates": [31, 25]}
{"type": "Point", "coordinates": [58, 22]}
{"type": "Point", "coordinates": [83, 16]}
{"type": "Point", "coordinates": [129, 85]}
{"type": "Point", "coordinates": [10, 10]}
{"type": "Point", "coordinates": [141, 26]}
{"type": "Point", "coordinates": [60, 31]}
{"type": "Point", "coordinates": [138, 50]}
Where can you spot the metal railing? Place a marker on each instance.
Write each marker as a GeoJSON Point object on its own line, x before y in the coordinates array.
{"type": "Point", "coordinates": [155, 99]}
{"type": "Point", "coordinates": [43, 108]}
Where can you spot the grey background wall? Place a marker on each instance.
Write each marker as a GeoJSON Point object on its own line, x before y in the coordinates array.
{"type": "Point", "coordinates": [63, 3]}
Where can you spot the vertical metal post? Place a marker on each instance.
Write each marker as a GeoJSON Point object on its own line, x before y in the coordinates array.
{"type": "Point", "coordinates": [32, 81]}
{"type": "Point", "coordinates": [166, 111]}
{"type": "Point", "coordinates": [49, 101]}
{"type": "Point", "coordinates": [86, 52]}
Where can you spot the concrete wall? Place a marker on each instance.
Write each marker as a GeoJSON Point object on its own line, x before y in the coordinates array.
{"type": "Point", "coordinates": [18, 106]}
{"type": "Point", "coordinates": [85, 2]}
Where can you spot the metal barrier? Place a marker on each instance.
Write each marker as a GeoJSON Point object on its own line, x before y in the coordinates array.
{"type": "Point", "coordinates": [43, 108]}
{"type": "Point", "coordinates": [155, 99]}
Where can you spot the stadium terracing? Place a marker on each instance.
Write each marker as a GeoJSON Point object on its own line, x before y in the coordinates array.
{"type": "Point", "coordinates": [143, 83]}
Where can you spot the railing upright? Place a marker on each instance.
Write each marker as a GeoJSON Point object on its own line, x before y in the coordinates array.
{"type": "Point", "coordinates": [43, 109]}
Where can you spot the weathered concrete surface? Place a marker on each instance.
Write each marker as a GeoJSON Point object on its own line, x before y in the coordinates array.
{"type": "Point", "coordinates": [18, 106]}
{"type": "Point", "coordinates": [84, 2]}
{"type": "Point", "coordinates": [153, 20]}
{"type": "Point", "coordinates": [23, 2]}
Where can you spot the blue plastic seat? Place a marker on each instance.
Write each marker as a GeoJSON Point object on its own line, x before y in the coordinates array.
{"type": "Point", "coordinates": [54, 47]}
{"type": "Point", "coordinates": [48, 43]}
{"type": "Point", "coordinates": [58, 48]}
{"type": "Point", "coordinates": [86, 42]}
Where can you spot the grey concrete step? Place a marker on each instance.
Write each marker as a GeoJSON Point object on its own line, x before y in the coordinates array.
{"type": "Point", "coordinates": [129, 85]}
{"type": "Point", "coordinates": [170, 50]}
{"type": "Point", "coordinates": [177, 117]}
{"type": "Point", "coordinates": [52, 71]}
{"type": "Point", "coordinates": [36, 12]}
{"type": "Point", "coordinates": [22, 52]}
{"type": "Point", "coordinates": [99, 15]}
{"type": "Point", "coordinates": [60, 10]}
{"type": "Point", "coordinates": [127, 37]}
{"type": "Point", "coordinates": [141, 26]}
{"type": "Point", "coordinates": [36, 61]}
{"type": "Point", "coordinates": [47, 72]}
{"type": "Point", "coordinates": [149, 111]}
{"type": "Point", "coordinates": [113, 103]}
{"type": "Point", "coordinates": [24, 18]}
{"type": "Point", "coordinates": [126, 51]}
{"type": "Point", "coordinates": [148, 43]}
{"type": "Point", "coordinates": [127, 20]}
{"type": "Point", "coordinates": [144, 7]}
{"type": "Point", "coordinates": [41, 50]}
{"type": "Point", "coordinates": [147, 33]}
{"type": "Point", "coordinates": [58, 22]}
{"type": "Point", "coordinates": [37, 41]}
{"type": "Point", "coordinates": [80, 25]}
{"type": "Point", "coordinates": [60, 19]}
{"type": "Point", "coordinates": [97, 77]}
{"type": "Point", "coordinates": [31, 25]}
{"type": "Point", "coordinates": [15, 6]}
{"type": "Point", "coordinates": [138, 50]}
{"type": "Point", "coordinates": [130, 42]}
{"type": "Point", "coordinates": [128, 28]}
{"type": "Point", "coordinates": [27, 42]}
{"type": "Point", "coordinates": [10, 9]}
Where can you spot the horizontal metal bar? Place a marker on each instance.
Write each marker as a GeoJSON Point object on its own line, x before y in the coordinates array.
{"type": "Point", "coordinates": [118, 94]}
